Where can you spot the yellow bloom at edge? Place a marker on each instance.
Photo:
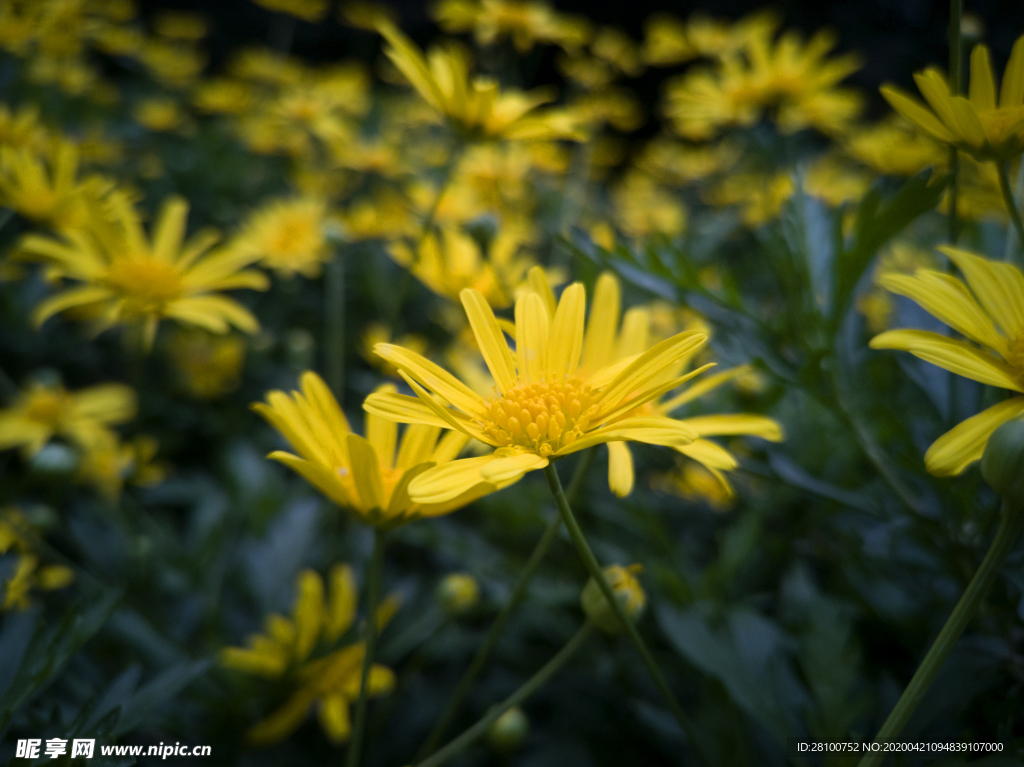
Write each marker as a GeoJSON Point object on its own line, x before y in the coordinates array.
{"type": "Point", "coordinates": [29, 575]}
{"type": "Point", "coordinates": [544, 407]}
{"type": "Point", "coordinates": [476, 106]}
{"type": "Point", "coordinates": [128, 278]}
{"type": "Point", "coordinates": [288, 236]}
{"type": "Point", "coordinates": [332, 680]}
{"type": "Point", "coordinates": [977, 124]}
{"type": "Point", "coordinates": [988, 311]}
{"type": "Point", "coordinates": [369, 475]}
{"type": "Point", "coordinates": [44, 411]}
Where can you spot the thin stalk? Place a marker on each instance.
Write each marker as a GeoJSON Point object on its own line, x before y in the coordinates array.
{"type": "Point", "coordinates": [583, 548]}
{"type": "Point", "coordinates": [373, 599]}
{"type": "Point", "coordinates": [497, 629]}
{"type": "Point", "coordinates": [334, 325]}
{"type": "Point", "coordinates": [1010, 527]}
{"type": "Point", "coordinates": [1011, 205]}
{"type": "Point", "coordinates": [956, 12]}
{"type": "Point", "coordinates": [529, 687]}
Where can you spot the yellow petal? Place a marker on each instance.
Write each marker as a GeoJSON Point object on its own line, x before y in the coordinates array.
{"type": "Point", "coordinates": [341, 607]}
{"type": "Point", "coordinates": [636, 328]}
{"type": "Point", "coordinates": [317, 475]}
{"type": "Point", "coordinates": [323, 403]}
{"type": "Point", "coordinates": [567, 332]}
{"type": "Point", "coordinates": [381, 681]}
{"type": "Point", "coordinates": [620, 469]}
{"type": "Point", "coordinates": [453, 418]}
{"type": "Point", "coordinates": [68, 299]}
{"type": "Point", "coordinates": [999, 287]}
{"type": "Point", "coordinates": [449, 447]}
{"type": "Point", "coordinates": [933, 87]}
{"type": "Point", "coordinates": [382, 433]}
{"type": "Point", "coordinates": [653, 430]}
{"type": "Point", "coordinates": [282, 722]}
{"type": "Point", "coordinates": [955, 356]}
{"type": "Point", "coordinates": [915, 112]}
{"type": "Point", "coordinates": [645, 367]}
{"type": "Point", "coordinates": [492, 344]}
{"type": "Point", "coordinates": [982, 90]}
{"type": "Point", "coordinates": [702, 387]}
{"type": "Point", "coordinates": [169, 230]}
{"type": "Point", "coordinates": [401, 503]}
{"type": "Point", "coordinates": [645, 396]}
{"type": "Point", "coordinates": [309, 612]}
{"type": "Point", "coordinates": [964, 444]}
{"type": "Point", "coordinates": [729, 424]}
{"type": "Point", "coordinates": [603, 323]}
{"type": "Point", "coordinates": [365, 468]}
{"type": "Point", "coordinates": [532, 331]}
{"type": "Point", "coordinates": [505, 468]}
{"type": "Point", "coordinates": [948, 299]}
{"type": "Point", "coordinates": [710, 454]}
{"type": "Point", "coordinates": [971, 129]}
{"type": "Point", "coordinates": [537, 279]}
{"type": "Point", "coordinates": [1012, 92]}
{"type": "Point", "coordinates": [417, 443]}
{"type": "Point", "coordinates": [433, 377]}
{"type": "Point", "coordinates": [450, 480]}
{"type": "Point", "coordinates": [334, 718]}
{"type": "Point", "coordinates": [404, 409]}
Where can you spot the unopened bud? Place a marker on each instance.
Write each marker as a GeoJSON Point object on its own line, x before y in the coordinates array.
{"type": "Point", "coordinates": [458, 593]}
{"type": "Point", "coordinates": [509, 730]}
{"type": "Point", "coordinates": [627, 591]}
{"type": "Point", "coordinates": [1002, 464]}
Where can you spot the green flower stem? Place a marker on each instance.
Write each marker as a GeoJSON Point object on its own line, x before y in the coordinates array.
{"type": "Point", "coordinates": [372, 601]}
{"type": "Point", "coordinates": [1010, 527]}
{"type": "Point", "coordinates": [1011, 204]}
{"type": "Point", "coordinates": [583, 548]}
{"type": "Point", "coordinates": [497, 629]}
{"type": "Point", "coordinates": [334, 325]}
{"type": "Point", "coordinates": [533, 684]}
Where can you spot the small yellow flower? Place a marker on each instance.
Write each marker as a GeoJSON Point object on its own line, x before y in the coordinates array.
{"type": "Point", "coordinates": [158, 114]}
{"type": "Point", "coordinates": [302, 649]}
{"type": "Point", "coordinates": [44, 411]}
{"type": "Point", "coordinates": [368, 475]}
{"type": "Point", "coordinates": [477, 107]}
{"type": "Point", "coordinates": [978, 124]}
{"type": "Point", "coordinates": [989, 311]}
{"type": "Point", "coordinates": [108, 463]}
{"type": "Point", "coordinates": [677, 163]}
{"type": "Point", "coordinates": [129, 279]}
{"type": "Point", "coordinates": [458, 593]}
{"type": "Point", "coordinates": [628, 593]}
{"type": "Point", "coordinates": [288, 236]}
{"type": "Point", "coordinates": [209, 365]}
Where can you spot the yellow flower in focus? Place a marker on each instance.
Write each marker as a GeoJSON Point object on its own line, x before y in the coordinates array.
{"type": "Point", "coordinates": [209, 365]}
{"type": "Point", "coordinates": [544, 406]}
{"type": "Point", "coordinates": [989, 311]}
{"type": "Point", "coordinates": [129, 279]}
{"type": "Point", "coordinates": [158, 114]}
{"type": "Point", "coordinates": [307, 10]}
{"type": "Point", "coordinates": [44, 411]}
{"type": "Point", "coordinates": [895, 147]}
{"type": "Point", "coordinates": [368, 475]}
{"type": "Point", "coordinates": [301, 649]}
{"type": "Point", "coordinates": [54, 194]}
{"type": "Point", "coordinates": [287, 236]}
{"type": "Point", "coordinates": [108, 463]}
{"type": "Point", "coordinates": [477, 106]}
{"type": "Point", "coordinates": [978, 124]}
{"type": "Point", "coordinates": [794, 84]}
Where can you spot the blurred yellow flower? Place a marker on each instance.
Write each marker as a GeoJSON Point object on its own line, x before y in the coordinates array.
{"type": "Point", "coordinates": [458, 593]}
{"type": "Point", "coordinates": [129, 279]}
{"type": "Point", "coordinates": [895, 147]}
{"type": "Point", "coordinates": [379, 333]}
{"type": "Point", "coordinates": [108, 463]}
{"type": "Point", "coordinates": [307, 10]}
{"type": "Point", "coordinates": [476, 107]}
{"type": "Point", "coordinates": [525, 23]}
{"type": "Point", "coordinates": [694, 482]}
{"type": "Point", "coordinates": [287, 235]}
{"type": "Point", "coordinates": [761, 197]}
{"type": "Point", "coordinates": [977, 124]}
{"type": "Point", "coordinates": [988, 310]}
{"type": "Point", "coordinates": [628, 593]}
{"type": "Point", "coordinates": [223, 96]}
{"type": "Point", "coordinates": [677, 163]}
{"type": "Point", "coordinates": [835, 181]}
{"type": "Point", "coordinates": [28, 575]}
{"type": "Point", "coordinates": [209, 365]}
{"type": "Point", "coordinates": [669, 41]}
{"type": "Point", "coordinates": [177, 25]}
{"type": "Point", "coordinates": [172, 63]}
{"type": "Point", "coordinates": [158, 114]}
{"type": "Point", "coordinates": [303, 649]}
{"type": "Point", "coordinates": [368, 475]}
{"type": "Point", "coordinates": [643, 207]}
{"type": "Point", "coordinates": [21, 129]}
{"type": "Point", "coordinates": [44, 411]}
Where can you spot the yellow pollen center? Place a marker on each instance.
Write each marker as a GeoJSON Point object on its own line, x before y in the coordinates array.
{"type": "Point", "coordinates": [146, 282]}
{"type": "Point", "coordinates": [293, 236]}
{"type": "Point", "coordinates": [541, 417]}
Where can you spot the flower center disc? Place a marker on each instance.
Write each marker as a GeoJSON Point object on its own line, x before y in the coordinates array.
{"type": "Point", "coordinates": [147, 283]}
{"type": "Point", "coordinates": [542, 417]}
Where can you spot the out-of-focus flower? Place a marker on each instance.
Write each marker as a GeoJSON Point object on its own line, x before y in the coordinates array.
{"type": "Point", "coordinates": [546, 406]}
{"type": "Point", "coordinates": [223, 96]}
{"type": "Point", "coordinates": [287, 235]}
{"type": "Point", "coordinates": [895, 147]}
{"type": "Point", "coordinates": [263, 65]}
{"type": "Point", "coordinates": [796, 84]}
{"type": "Point", "coordinates": [172, 63]}
{"type": "Point", "coordinates": [525, 23]}
{"type": "Point", "coordinates": [988, 310]}
{"type": "Point", "coordinates": [21, 129]}
{"type": "Point", "coordinates": [616, 107]}
{"type": "Point", "coordinates": [618, 49]}
{"type": "Point", "coordinates": [368, 475]}
{"type": "Point", "coordinates": [108, 463]}
{"type": "Point", "coordinates": [301, 650]}
{"type": "Point", "coordinates": [458, 593]}
{"type": "Point", "coordinates": [694, 482]}
{"type": "Point", "coordinates": [475, 106]}
{"type": "Point", "coordinates": [379, 333]}
{"type": "Point", "coordinates": [383, 214]}
{"type": "Point", "coordinates": [176, 25]}
{"type": "Point", "coordinates": [509, 730]}
{"type": "Point", "coordinates": [27, 576]}
{"type": "Point", "coordinates": [307, 10]}
{"type": "Point", "coordinates": [129, 279]}
{"type": "Point", "coordinates": [44, 411]}
{"type": "Point", "coordinates": [677, 163]}
{"type": "Point", "coordinates": [158, 114]}
{"type": "Point", "coordinates": [628, 593]}
{"type": "Point", "coordinates": [901, 257]}
{"type": "Point", "coordinates": [643, 207]}
{"type": "Point", "coordinates": [979, 197]}
{"type": "Point", "coordinates": [209, 365]}
{"type": "Point", "coordinates": [669, 41]}
{"type": "Point", "coordinates": [978, 125]}
{"type": "Point", "coordinates": [836, 182]}
{"type": "Point", "coordinates": [760, 196]}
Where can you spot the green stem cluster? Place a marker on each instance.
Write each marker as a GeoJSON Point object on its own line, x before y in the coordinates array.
{"type": "Point", "coordinates": [1010, 527]}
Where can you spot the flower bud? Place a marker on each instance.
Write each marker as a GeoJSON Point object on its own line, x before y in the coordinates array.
{"type": "Point", "coordinates": [509, 730]}
{"type": "Point", "coordinates": [1002, 464]}
{"type": "Point", "coordinates": [627, 591]}
{"type": "Point", "coordinates": [458, 593]}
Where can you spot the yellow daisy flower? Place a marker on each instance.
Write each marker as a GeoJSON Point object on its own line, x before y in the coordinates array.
{"type": "Point", "coordinates": [977, 124]}
{"type": "Point", "coordinates": [369, 475]}
{"type": "Point", "coordinates": [988, 310]}
{"type": "Point", "coordinates": [544, 406]}
{"type": "Point", "coordinates": [129, 279]}
{"type": "Point", "coordinates": [44, 411]}
{"type": "Point", "coordinates": [331, 681]}
{"type": "Point", "coordinates": [477, 107]}
{"type": "Point", "coordinates": [287, 236]}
